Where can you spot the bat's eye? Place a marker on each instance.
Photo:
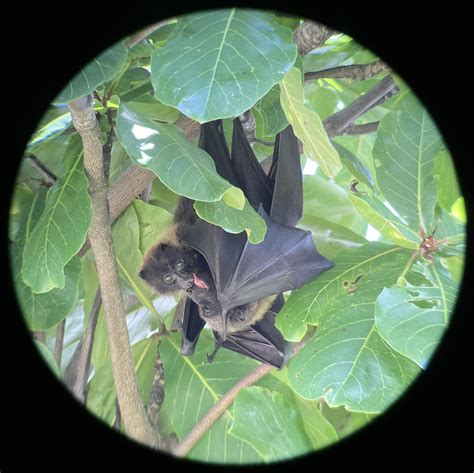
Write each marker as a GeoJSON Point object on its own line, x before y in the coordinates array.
{"type": "Point", "coordinates": [168, 278]}
{"type": "Point", "coordinates": [179, 264]}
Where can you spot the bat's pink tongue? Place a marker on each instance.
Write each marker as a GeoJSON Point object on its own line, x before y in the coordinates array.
{"type": "Point", "coordinates": [199, 282]}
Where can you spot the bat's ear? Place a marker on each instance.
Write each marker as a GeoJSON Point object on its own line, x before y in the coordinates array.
{"type": "Point", "coordinates": [143, 274]}
{"type": "Point", "coordinates": [162, 247]}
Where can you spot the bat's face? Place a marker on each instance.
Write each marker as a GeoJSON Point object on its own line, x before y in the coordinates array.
{"type": "Point", "coordinates": [168, 269]}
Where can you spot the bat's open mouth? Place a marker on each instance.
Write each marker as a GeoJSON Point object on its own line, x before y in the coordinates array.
{"type": "Point", "coordinates": [199, 282]}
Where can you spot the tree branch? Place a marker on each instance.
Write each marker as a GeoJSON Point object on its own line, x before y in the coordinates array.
{"type": "Point", "coordinates": [133, 412]}
{"type": "Point", "coordinates": [361, 129]}
{"type": "Point", "coordinates": [222, 405]}
{"type": "Point", "coordinates": [356, 72]}
{"type": "Point", "coordinates": [309, 35]}
{"type": "Point", "coordinates": [58, 345]}
{"type": "Point", "coordinates": [337, 123]}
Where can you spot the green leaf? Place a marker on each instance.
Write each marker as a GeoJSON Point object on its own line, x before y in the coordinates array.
{"type": "Point", "coordinates": [331, 55]}
{"type": "Point", "coordinates": [61, 231]}
{"type": "Point", "coordinates": [233, 220]}
{"type": "Point", "coordinates": [323, 101]}
{"type": "Point", "coordinates": [307, 125]}
{"type": "Point", "coordinates": [48, 357]}
{"type": "Point", "coordinates": [357, 168]}
{"type": "Point", "coordinates": [448, 185]}
{"type": "Point", "coordinates": [310, 303]}
{"type": "Point", "coordinates": [406, 146]}
{"type": "Point", "coordinates": [49, 131]}
{"type": "Point", "coordinates": [46, 310]}
{"type": "Point", "coordinates": [152, 221]}
{"type": "Point", "coordinates": [344, 421]}
{"type": "Point", "coordinates": [318, 429]}
{"type": "Point", "coordinates": [270, 118]}
{"type": "Point", "coordinates": [270, 423]}
{"type": "Point", "coordinates": [347, 362]}
{"type": "Point", "coordinates": [101, 69]}
{"type": "Point", "coordinates": [383, 220]}
{"type": "Point", "coordinates": [150, 108]}
{"type": "Point", "coordinates": [329, 237]}
{"type": "Point", "coordinates": [180, 165]}
{"type": "Point", "coordinates": [326, 199]}
{"type": "Point", "coordinates": [360, 146]}
{"type": "Point", "coordinates": [455, 265]}
{"type": "Point", "coordinates": [41, 311]}
{"type": "Point", "coordinates": [412, 319]}
{"type": "Point", "coordinates": [101, 395]}
{"type": "Point", "coordinates": [219, 63]}
{"type": "Point", "coordinates": [193, 386]}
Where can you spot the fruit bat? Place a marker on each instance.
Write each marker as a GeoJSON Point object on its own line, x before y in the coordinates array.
{"type": "Point", "coordinates": [233, 285]}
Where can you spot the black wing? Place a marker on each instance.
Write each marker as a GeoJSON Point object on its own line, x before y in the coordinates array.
{"type": "Point", "coordinates": [244, 272]}
{"type": "Point", "coordinates": [262, 341]}
{"type": "Point", "coordinates": [192, 326]}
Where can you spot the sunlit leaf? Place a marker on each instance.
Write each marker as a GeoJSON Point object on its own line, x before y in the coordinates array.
{"type": "Point", "coordinates": [307, 125]}
{"type": "Point", "coordinates": [218, 63]}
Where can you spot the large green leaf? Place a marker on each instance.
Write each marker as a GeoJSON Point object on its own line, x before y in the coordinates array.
{"type": "Point", "coordinates": [412, 319]}
{"type": "Point", "coordinates": [46, 310]}
{"type": "Point", "coordinates": [233, 220]}
{"type": "Point", "coordinates": [347, 362]}
{"type": "Point", "coordinates": [270, 423]}
{"type": "Point", "coordinates": [180, 165]}
{"type": "Point", "coordinates": [219, 63]}
{"type": "Point", "coordinates": [101, 69]}
{"type": "Point", "coordinates": [406, 146]}
{"type": "Point", "coordinates": [307, 125]}
{"type": "Point", "coordinates": [309, 304]}
{"type": "Point", "coordinates": [383, 220]}
{"type": "Point", "coordinates": [61, 231]}
{"type": "Point", "coordinates": [193, 386]}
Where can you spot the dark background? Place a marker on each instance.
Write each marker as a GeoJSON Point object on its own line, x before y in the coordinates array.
{"type": "Point", "coordinates": [430, 49]}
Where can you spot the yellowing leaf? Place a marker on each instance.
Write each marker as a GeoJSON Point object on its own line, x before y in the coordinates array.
{"type": "Point", "coordinates": [307, 125]}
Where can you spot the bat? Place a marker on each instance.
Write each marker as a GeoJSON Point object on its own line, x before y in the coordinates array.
{"type": "Point", "coordinates": [231, 284]}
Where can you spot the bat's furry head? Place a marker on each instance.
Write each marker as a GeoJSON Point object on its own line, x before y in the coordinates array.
{"type": "Point", "coordinates": [168, 268]}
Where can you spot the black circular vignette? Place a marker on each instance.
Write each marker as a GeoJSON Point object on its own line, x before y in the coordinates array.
{"type": "Point", "coordinates": [428, 51]}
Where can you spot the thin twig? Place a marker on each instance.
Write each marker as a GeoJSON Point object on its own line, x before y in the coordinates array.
{"type": "Point", "coordinates": [222, 405]}
{"type": "Point", "coordinates": [49, 176]}
{"type": "Point", "coordinates": [58, 345]}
